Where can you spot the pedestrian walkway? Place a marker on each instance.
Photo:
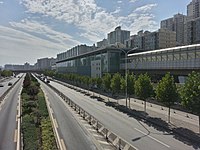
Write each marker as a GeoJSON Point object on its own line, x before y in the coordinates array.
{"type": "Point", "coordinates": [181, 122]}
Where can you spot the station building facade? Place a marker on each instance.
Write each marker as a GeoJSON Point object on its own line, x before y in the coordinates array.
{"type": "Point", "coordinates": [177, 60]}
{"type": "Point", "coordinates": [94, 63]}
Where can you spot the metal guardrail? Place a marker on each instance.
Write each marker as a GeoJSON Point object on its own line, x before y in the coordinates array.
{"type": "Point", "coordinates": [110, 136]}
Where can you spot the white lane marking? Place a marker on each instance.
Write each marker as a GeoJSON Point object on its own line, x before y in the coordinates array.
{"type": "Point", "coordinates": [152, 138]}
{"type": "Point", "coordinates": [96, 135]}
{"type": "Point", "coordinates": [91, 129]}
{"type": "Point", "coordinates": [51, 109]}
{"type": "Point", "coordinates": [126, 147]}
{"type": "Point", "coordinates": [15, 136]}
{"type": "Point", "coordinates": [103, 142]}
{"type": "Point", "coordinates": [56, 124]}
{"type": "Point", "coordinates": [63, 144]}
{"type": "Point", "coordinates": [19, 120]}
{"type": "Point", "coordinates": [116, 141]}
{"type": "Point", "coordinates": [58, 139]}
{"type": "Point", "coordinates": [1, 104]}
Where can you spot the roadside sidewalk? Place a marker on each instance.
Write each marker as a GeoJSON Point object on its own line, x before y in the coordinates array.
{"type": "Point", "coordinates": [184, 126]}
{"type": "Point", "coordinates": [155, 111]}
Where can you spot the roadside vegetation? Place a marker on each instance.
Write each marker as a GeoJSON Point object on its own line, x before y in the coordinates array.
{"type": "Point", "coordinates": [6, 73]}
{"type": "Point", "coordinates": [36, 125]}
{"type": "Point", "coordinates": [165, 91]}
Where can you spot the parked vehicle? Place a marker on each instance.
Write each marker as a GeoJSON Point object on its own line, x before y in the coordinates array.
{"type": "Point", "coordinates": [1, 85]}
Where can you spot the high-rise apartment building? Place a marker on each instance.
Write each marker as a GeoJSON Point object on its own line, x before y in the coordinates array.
{"type": "Point", "coordinates": [192, 31]}
{"type": "Point", "coordinates": [197, 31]}
{"type": "Point", "coordinates": [176, 23]}
{"type": "Point", "coordinates": [192, 26]}
{"type": "Point", "coordinates": [166, 38]}
{"type": "Point", "coordinates": [136, 41]}
{"type": "Point", "coordinates": [163, 38]}
{"type": "Point", "coordinates": [167, 24]}
{"type": "Point", "coordinates": [179, 21]}
{"type": "Point", "coordinates": [102, 43]}
{"type": "Point", "coordinates": [45, 63]}
{"type": "Point", "coordinates": [193, 9]}
{"type": "Point", "coordinates": [150, 40]}
{"type": "Point", "coordinates": [118, 36]}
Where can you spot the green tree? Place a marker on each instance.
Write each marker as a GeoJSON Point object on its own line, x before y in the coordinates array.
{"type": "Point", "coordinates": [190, 94]}
{"type": "Point", "coordinates": [143, 88]}
{"type": "Point", "coordinates": [123, 84]}
{"type": "Point", "coordinates": [115, 83]}
{"type": "Point", "coordinates": [99, 82]}
{"type": "Point", "coordinates": [93, 82]}
{"type": "Point", "coordinates": [130, 85]}
{"type": "Point", "coordinates": [50, 73]}
{"type": "Point", "coordinates": [86, 82]}
{"type": "Point", "coordinates": [106, 81]}
{"type": "Point", "coordinates": [166, 92]}
{"type": "Point", "coordinates": [6, 73]}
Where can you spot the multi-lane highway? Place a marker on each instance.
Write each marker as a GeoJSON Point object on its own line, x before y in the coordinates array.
{"type": "Point", "coordinates": [132, 130]}
{"type": "Point", "coordinates": [8, 116]}
{"type": "Point", "coordinates": [5, 84]}
{"type": "Point", "coordinates": [71, 131]}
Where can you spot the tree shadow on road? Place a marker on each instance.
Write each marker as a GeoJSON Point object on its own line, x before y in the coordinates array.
{"type": "Point", "coordinates": [139, 115]}
{"type": "Point", "coordinates": [187, 137]}
{"type": "Point", "coordinates": [97, 98]}
{"type": "Point", "coordinates": [190, 138]}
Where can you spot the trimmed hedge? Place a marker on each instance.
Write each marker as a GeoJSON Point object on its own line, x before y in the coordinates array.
{"type": "Point", "coordinates": [36, 124]}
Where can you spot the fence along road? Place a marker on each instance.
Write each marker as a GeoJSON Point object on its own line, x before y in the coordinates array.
{"type": "Point", "coordinates": [132, 130]}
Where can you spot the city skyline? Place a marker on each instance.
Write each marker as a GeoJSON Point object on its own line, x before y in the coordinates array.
{"type": "Point", "coordinates": [37, 29]}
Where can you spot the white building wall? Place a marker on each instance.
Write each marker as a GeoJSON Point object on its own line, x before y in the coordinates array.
{"type": "Point", "coordinates": [96, 69]}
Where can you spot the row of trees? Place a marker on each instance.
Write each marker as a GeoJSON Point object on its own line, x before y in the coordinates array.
{"type": "Point", "coordinates": [6, 73]}
{"type": "Point", "coordinates": [165, 91]}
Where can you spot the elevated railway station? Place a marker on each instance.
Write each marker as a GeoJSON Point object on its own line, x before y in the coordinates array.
{"type": "Point", "coordinates": [177, 60]}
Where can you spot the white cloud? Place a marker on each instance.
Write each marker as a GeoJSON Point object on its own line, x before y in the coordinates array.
{"type": "Point", "coordinates": [145, 8]}
{"type": "Point", "coordinates": [19, 47]}
{"type": "Point", "coordinates": [119, 2]}
{"type": "Point", "coordinates": [116, 11]}
{"type": "Point", "coordinates": [93, 20]}
{"type": "Point", "coordinates": [45, 31]}
{"type": "Point", "coordinates": [1, 2]}
{"type": "Point", "coordinates": [133, 1]}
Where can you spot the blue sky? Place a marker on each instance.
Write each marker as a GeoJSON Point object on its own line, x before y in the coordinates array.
{"type": "Point", "coordinates": [31, 29]}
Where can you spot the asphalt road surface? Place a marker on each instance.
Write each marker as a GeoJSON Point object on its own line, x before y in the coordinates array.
{"type": "Point", "coordinates": [8, 112]}
{"type": "Point", "coordinates": [5, 83]}
{"type": "Point", "coordinates": [74, 135]}
{"type": "Point", "coordinates": [137, 133]}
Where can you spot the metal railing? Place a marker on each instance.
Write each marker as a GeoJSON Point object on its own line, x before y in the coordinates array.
{"type": "Point", "coordinates": [109, 135]}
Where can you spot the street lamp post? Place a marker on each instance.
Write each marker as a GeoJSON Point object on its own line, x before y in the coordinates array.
{"type": "Point", "coordinates": [126, 71]}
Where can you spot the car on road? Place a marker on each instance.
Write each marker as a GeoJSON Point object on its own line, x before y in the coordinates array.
{"type": "Point", "coordinates": [10, 83]}
{"type": "Point", "coordinates": [1, 85]}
